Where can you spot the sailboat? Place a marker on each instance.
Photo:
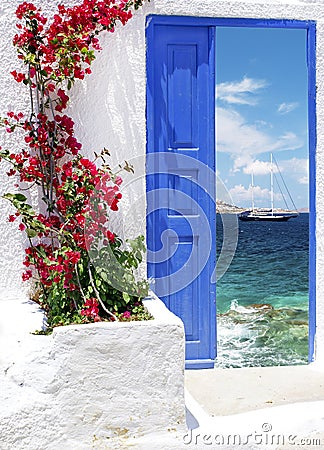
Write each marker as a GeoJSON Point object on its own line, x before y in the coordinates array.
{"type": "Point", "coordinates": [269, 214]}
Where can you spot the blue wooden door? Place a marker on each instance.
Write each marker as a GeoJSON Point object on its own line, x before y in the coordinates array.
{"type": "Point", "coordinates": [181, 179]}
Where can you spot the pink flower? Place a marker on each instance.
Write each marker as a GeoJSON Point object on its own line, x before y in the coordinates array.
{"type": "Point", "coordinates": [32, 72]}
{"type": "Point", "coordinates": [126, 314]}
{"type": "Point", "coordinates": [51, 87]}
{"type": "Point", "coordinates": [118, 180]}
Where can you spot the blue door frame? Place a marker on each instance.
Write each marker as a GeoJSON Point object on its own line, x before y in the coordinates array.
{"type": "Point", "coordinates": [180, 187]}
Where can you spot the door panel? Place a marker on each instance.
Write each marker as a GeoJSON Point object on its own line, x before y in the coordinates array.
{"type": "Point", "coordinates": [180, 181]}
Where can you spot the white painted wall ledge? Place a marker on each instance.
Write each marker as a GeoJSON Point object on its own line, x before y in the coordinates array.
{"type": "Point", "coordinates": [87, 385]}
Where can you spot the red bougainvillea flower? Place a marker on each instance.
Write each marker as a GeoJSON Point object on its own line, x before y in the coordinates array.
{"type": "Point", "coordinates": [90, 308]}
{"type": "Point", "coordinates": [18, 76]}
{"type": "Point", "coordinates": [62, 101]}
{"type": "Point", "coordinates": [114, 203]}
{"type": "Point", "coordinates": [24, 8]}
{"type": "Point", "coordinates": [73, 257]}
{"type": "Point", "coordinates": [110, 236]}
{"type": "Point", "coordinates": [26, 275]}
{"type": "Point", "coordinates": [75, 192]}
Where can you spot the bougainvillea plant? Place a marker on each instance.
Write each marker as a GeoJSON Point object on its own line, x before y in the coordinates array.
{"type": "Point", "coordinates": [76, 193]}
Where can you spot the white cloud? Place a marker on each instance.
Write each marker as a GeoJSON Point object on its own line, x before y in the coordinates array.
{"type": "Point", "coordinates": [243, 140]}
{"type": "Point", "coordinates": [242, 195]}
{"type": "Point", "coordinates": [297, 168]}
{"type": "Point", "coordinates": [240, 92]}
{"type": "Point", "coordinates": [295, 165]}
{"type": "Point", "coordinates": [285, 108]}
{"type": "Point", "coordinates": [303, 180]}
{"type": "Point", "coordinates": [258, 167]}
{"type": "Point", "coordinates": [263, 124]}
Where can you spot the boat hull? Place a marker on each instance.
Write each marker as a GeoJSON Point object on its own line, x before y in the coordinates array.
{"type": "Point", "coordinates": [249, 216]}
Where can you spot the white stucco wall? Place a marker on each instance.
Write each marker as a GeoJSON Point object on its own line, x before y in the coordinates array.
{"type": "Point", "coordinates": [92, 385]}
{"type": "Point", "coordinates": [119, 74]}
{"type": "Point", "coordinates": [109, 110]}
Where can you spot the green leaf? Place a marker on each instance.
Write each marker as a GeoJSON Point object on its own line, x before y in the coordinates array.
{"type": "Point", "coordinates": [41, 252]}
{"type": "Point", "coordinates": [104, 276]}
{"type": "Point", "coordinates": [18, 197]}
{"type": "Point", "coordinates": [31, 233]}
{"type": "Point", "coordinates": [138, 256]}
{"type": "Point", "coordinates": [4, 153]}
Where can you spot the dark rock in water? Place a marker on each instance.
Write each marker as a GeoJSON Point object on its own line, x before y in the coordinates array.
{"type": "Point", "coordinates": [297, 322]}
{"type": "Point", "coordinates": [263, 306]}
{"type": "Point", "coordinates": [292, 311]}
{"type": "Point", "coordinates": [273, 313]}
{"type": "Point", "coordinates": [239, 321]}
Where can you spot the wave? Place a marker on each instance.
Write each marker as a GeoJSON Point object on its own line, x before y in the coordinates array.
{"type": "Point", "coordinates": [258, 334]}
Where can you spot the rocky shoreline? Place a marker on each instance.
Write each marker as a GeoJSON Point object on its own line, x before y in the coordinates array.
{"type": "Point", "coordinates": [226, 208]}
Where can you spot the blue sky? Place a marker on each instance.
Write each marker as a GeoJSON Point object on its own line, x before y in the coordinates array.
{"type": "Point", "coordinates": [261, 90]}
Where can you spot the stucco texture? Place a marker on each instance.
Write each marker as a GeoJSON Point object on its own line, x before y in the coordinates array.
{"type": "Point", "coordinates": [87, 386]}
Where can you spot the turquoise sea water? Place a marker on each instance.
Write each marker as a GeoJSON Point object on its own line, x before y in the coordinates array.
{"type": "Point", "coordinates": [262, 300]}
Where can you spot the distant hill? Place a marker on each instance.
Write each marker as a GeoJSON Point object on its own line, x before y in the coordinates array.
{"type": "Point", "coordinates": [226, 208]}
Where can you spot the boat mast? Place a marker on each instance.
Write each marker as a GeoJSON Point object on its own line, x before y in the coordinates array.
{"type": "Point", "coordinates": [252, 190]}
{"type": "Point", "coordinates": [271, 182]}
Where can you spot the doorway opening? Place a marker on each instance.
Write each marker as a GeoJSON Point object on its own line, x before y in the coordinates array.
{"type": "Point", "coordinates": [258, 78]}
{"type": "Point", "coordinates": [263, 156]}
